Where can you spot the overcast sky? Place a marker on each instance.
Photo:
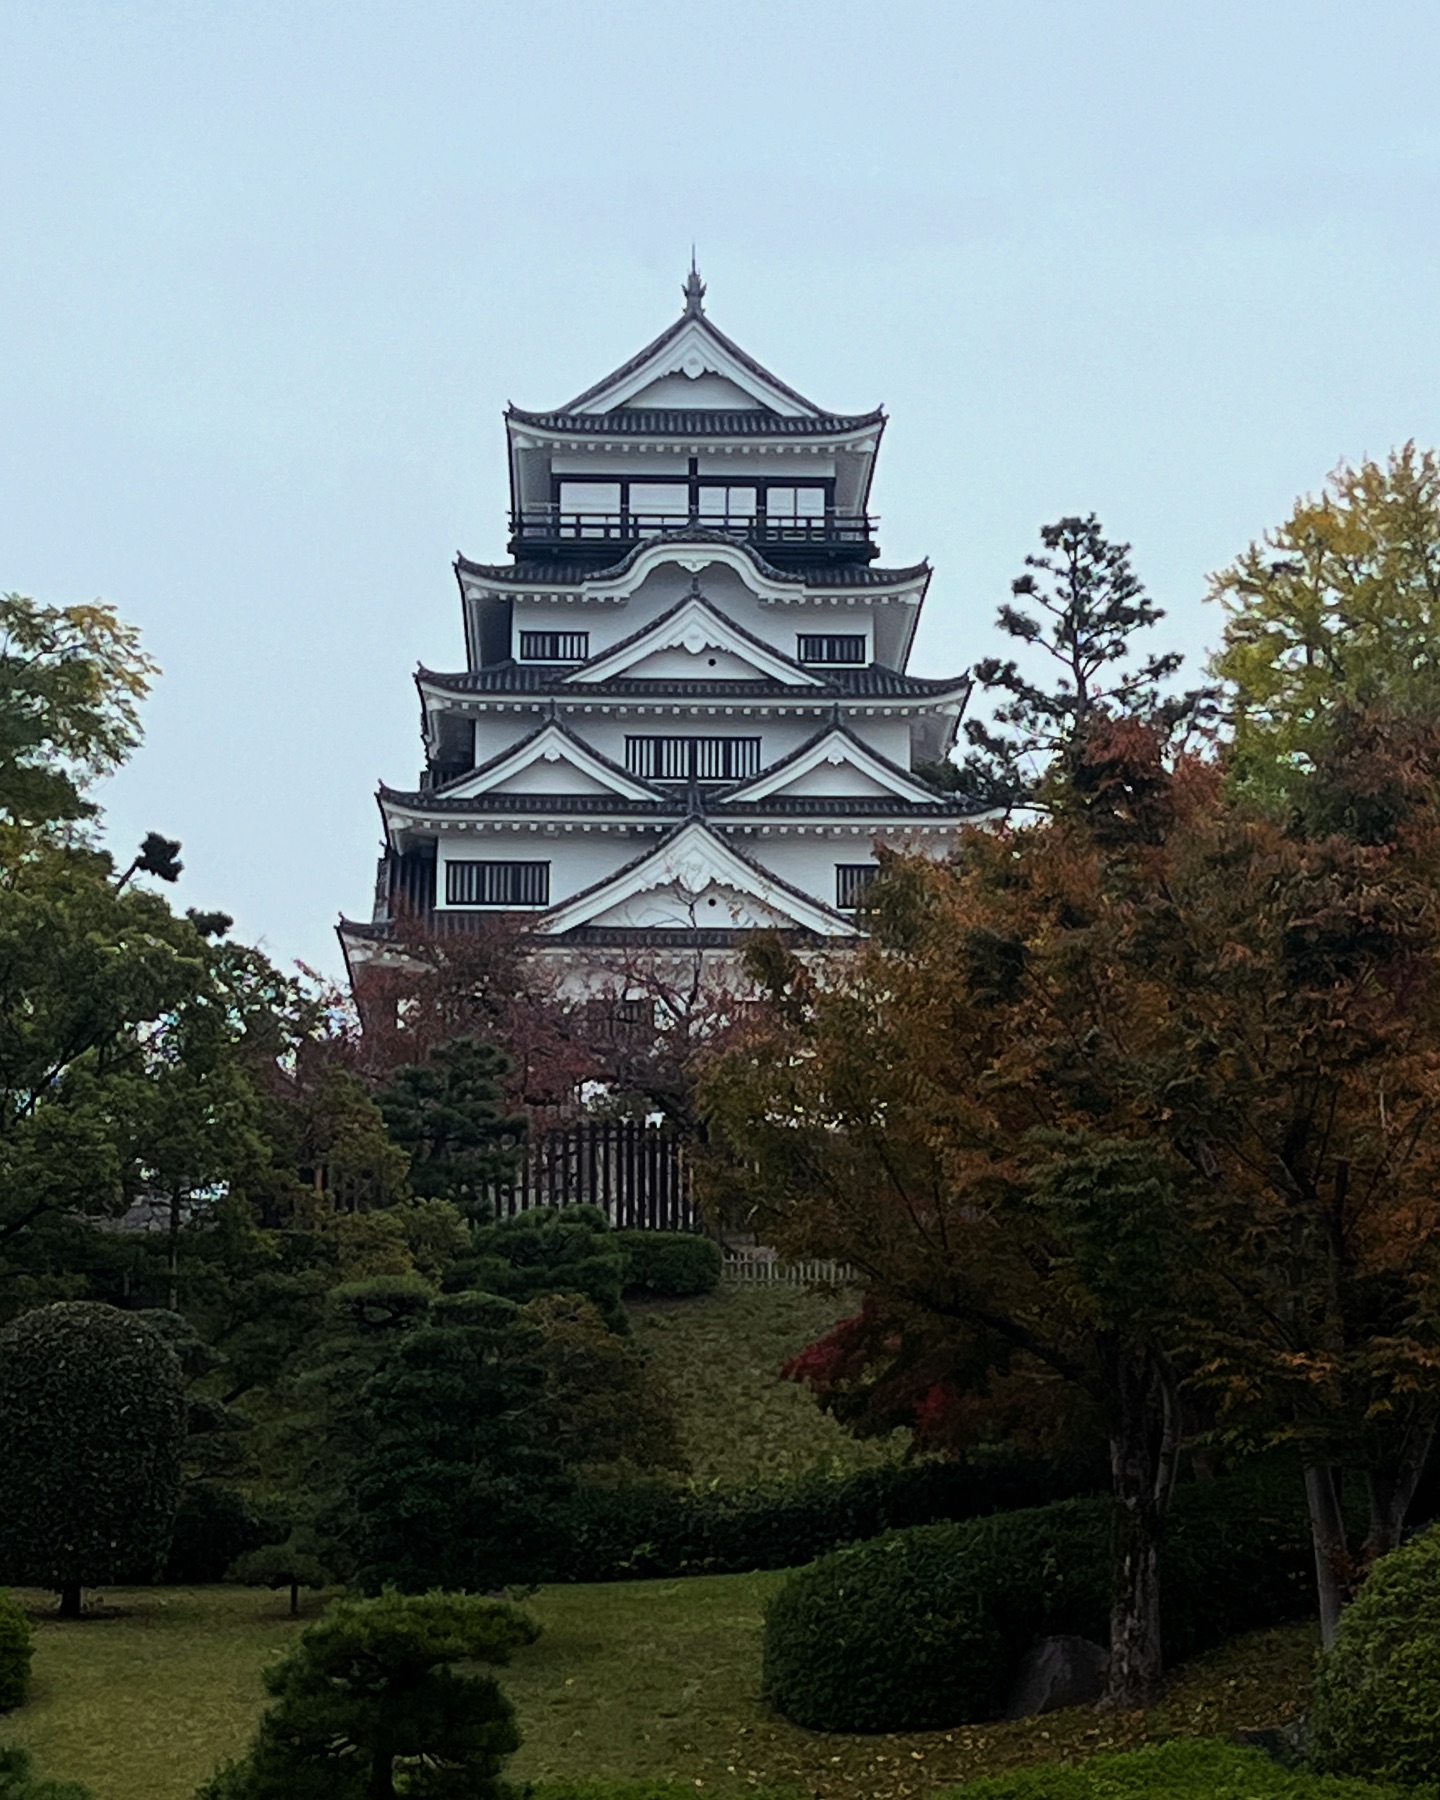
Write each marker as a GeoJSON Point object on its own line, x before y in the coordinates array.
{"type": "Point", "coordinates": [270, 273]}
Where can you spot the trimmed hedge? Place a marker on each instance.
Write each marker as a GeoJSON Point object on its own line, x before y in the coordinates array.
{"type": "Point", "coordinates": [16, 1649]}
{"type": "Point", "coordinates": [924, 1629]}
{"type": "Point", "coordinates": [1377, 1699]}
{"type": "Point", "coordinates": [669, 1264]}
{"type": "Point", "coordinates": [624, 1534]}
{"type": "Point", "coordinates": [1194, 1769]}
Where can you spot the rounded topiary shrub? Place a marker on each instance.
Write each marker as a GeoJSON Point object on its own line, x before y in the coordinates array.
{"type": "Point", "coordinates": [669, 1264]}
{"type": "Point", "coordinates": [925, 1628]}
{"type": "Point", "coordinates": [1377, 1697]}
{"type": "Point", "coordinates": [92, 1421]}
{"type": "Point", "coordinates": [16, 1649]}
{"type": "Point", "coordinates": [920, 1629]}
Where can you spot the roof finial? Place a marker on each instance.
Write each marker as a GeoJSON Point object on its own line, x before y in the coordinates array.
{"type": "Point", "coordinates": [694, 290]}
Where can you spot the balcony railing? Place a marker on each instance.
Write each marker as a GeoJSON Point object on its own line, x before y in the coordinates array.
{"type": "Point", "coordinates": [547, 527]}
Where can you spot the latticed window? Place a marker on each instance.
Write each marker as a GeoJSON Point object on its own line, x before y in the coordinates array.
{"type": "Point", "coordinates": [693, 758]}
{"type": "Point", "coordinates": [497, 883]}
{"type": "Point", "coordinates": [851, 881]}
{"type": "Point", "coordinates": [832, 647]}
{"type": "Point", "coordinates": [554, 646]}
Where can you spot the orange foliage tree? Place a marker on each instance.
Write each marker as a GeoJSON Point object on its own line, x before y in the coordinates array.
{"type": "Point", "coordinates": [1140, 1095]}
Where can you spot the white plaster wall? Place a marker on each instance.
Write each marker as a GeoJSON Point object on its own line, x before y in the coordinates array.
{"type": "Point", "coordinates": [577, 859]}
{"type": "Point", "coordinates": [832, 779]}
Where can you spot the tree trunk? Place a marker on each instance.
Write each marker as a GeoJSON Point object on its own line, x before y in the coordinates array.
{"type": "Point", "coordinates": [1144, 1452]}
{"type": "Point", "coordinates": [294, 1599]}
{"type": "Point", "coordinates": [70, 1600]}
{"type": "Point", "coordinates": [1332, 1554]}
{"type": "Point", "coordinates": [1391, 1489]}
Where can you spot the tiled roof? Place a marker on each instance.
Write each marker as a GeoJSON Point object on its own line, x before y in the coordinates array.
{"type": "Point", "coordinates": [547, 680]}
{"type": "Point", "coordinates": [644, 421]}
{"type": "Point", "coordinates": [433, 802]}
{"type": "Point", "coordinates": [575, 574]}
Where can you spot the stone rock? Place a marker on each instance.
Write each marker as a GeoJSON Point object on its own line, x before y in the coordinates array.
{"type": "Point", "coordinates": [1058, 1672]}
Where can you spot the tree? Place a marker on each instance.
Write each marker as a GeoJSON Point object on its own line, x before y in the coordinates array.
{"type": "Point", "coordinates": [459, 1480]}
{"type": "Point", "coordinates": [1082, 606]}
{"type": "Point", "coordinates": [303, 1559]}
{"type": "Point", "coordinates": [447, 1113]}
{"type": "Point", "coordinates": [547, 1250]}
{"type": "Point", "coordinates": [92, 1426]}
{"type": "Point", "coordinates": [1336, 612]}
{"type": "Point", "coordinates": [374, 1704]}
{"type": "Point", "coordinates": [1149, 1088]}
{"type": "Point", "coordinates": [71, 681]}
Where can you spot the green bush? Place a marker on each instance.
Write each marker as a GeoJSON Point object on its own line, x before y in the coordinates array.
{"type": "Point", "coordinates": [16, 1649]}
{"type": "Point", "coordinates": [924, 1628]}
{"type": "Point", "coordinates": [1377, 1699]}
{"type": "Point", "coordinates": [548, 1250]}
{"type": "Point", "coordinates": [622, 1534]}
{"type": "Point", "coordinates": [1197, 1769]}
{"type": "Point", "coordinates": [92, 1425]}
{"type": "Point", "coordinates": [214, 1527]}
{"type": "Point", "coordinates": [17, 1783]}
{"type": "Point", "coordinates": [671, 1264]}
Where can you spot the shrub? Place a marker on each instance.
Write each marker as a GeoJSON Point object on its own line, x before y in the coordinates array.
{"type": "Point", "coordinates": [624, 1533]}
{"type": "Point", "coordinates": [548, 1250]}
{"type": "Point", "coordinates": [17, 1783]}
{"type": "Point", "coordinates": [1197, 1769]}
{"type": "Point", "coordinates": [92, 1424]}
{"type": "Point", "coordinates": [1377, 1699]}
{"type": "Point", "coordinates": [379, 1689]}
{"type": "Point", "coordinates": [214, 1526]}
{"type": "Point", "coordinates": [924, 1628]}
{"type": "Point", "coordinates": [672, 1264]}
{"type": "Point", "coordinates": [16, 1649]}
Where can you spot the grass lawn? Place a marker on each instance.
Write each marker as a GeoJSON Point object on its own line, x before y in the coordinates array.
{"type": "Point", "coordinates": [722, 1355]}
{"type": "Point", "coordinates": [651, 1679]}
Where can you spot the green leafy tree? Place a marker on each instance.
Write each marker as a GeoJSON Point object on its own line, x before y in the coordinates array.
{"type": "Point", "coordinates": [459, 1481]}
{"type": "Point", "coordinates": [1335, 612]}
{"type": "Point", "coordinates": [548, 1250]}
{"type": "Point", "coordinates": [380, 1700]}
{"type": "Point", "coordinates": [1078, 609]}
{"type": "Point", "coordinates": [305, 1558]}
{"type": "Point", "coordinates": [610, 1411]}
{"type": "Point", "coordinates": [448, 1112]}
{"type": "Point", "coordinates": [71, 682]}
{"type": "Point", "coordinates": [92, 1429]}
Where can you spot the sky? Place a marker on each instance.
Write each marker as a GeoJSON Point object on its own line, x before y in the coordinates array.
{"type": "Point", "coordinates": [270, 273]}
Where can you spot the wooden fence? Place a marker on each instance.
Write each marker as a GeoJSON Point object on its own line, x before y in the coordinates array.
{"type": "Point", "coordinates": [637, 1174]}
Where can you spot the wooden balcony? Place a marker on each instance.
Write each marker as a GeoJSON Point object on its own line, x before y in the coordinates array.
{"type": "Point", "coordinates": [547, 533]}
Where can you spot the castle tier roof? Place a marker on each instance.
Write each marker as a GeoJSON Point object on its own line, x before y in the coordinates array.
{"type": "Point", "coordinates": [548, 680]}
{"type": "Point", "coordinates": [560, 575]}
{"type": "Point", "coordinates": [695, 422]}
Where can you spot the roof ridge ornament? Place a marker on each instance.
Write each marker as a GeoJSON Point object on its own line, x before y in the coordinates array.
{"type": "Point", "coordinates": [694, 291]}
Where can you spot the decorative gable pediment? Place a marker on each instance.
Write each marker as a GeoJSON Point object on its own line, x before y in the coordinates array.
{"type": "Point", "coordinates": [696, 880]}
{"type": "Point", "coordinates": [835, 765]}
{"type": "Point", "coordinates": [693, 642]}
{"type": "Point", "coordinates": [550, 761]}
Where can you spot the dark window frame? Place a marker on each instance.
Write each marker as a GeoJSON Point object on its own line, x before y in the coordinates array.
{"type": "Point", "coordinates": [829, 640]}
{"type": "Point", "coordinates": [693, 482]}
{"type": "Point", "coordinates": [691, 756]}
{"type": "Point", "coordinates": [500, 882]}
{"type": "Point", "coordinates": [579, 640]}
{"type": "Point", "coordinates": [851, 882]}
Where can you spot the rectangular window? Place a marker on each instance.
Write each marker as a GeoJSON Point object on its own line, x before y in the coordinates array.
{"type": "Point", "coordinates": [589, 509]}
{"type": "Point", "coordinates": [497, 884]}
{"type": "Point", "coordinates": [727, 505]}
{"type": "Point", "coordinates": [851, 881]}
{"type": "Point", "coordinates": [554, 646]}
{"type": "Point", "coordinates": [659, 499]}
{"type": "Point", "coordinates": [693, 758]}
{"type": "Point", "coordinates": [795, 502]}
{"type": "Point", "coordinates": [832, 647]}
